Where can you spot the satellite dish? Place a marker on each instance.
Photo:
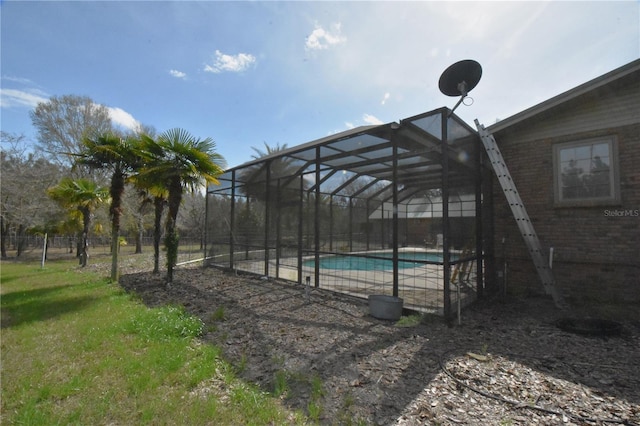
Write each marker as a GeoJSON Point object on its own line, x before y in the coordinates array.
{"type": "Point", "coordinates": [460, 78]}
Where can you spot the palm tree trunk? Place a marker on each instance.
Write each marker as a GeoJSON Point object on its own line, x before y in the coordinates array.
{"type": "Point", "coordinates": [86, 220]}
{"type": "Point", "coordinates": [116, 190]}
{"type": "Point", "coordinates": [157, 232]}
{"type": "Point", "coordinates": [139, 233]}
{"type": "Point", "coordinates": [171, 239]}
{"type": "Point", "coordinates": [79, 245]}
{"type": "Point", "coordinates": [115, 248]}
{"type": "Point", "coordinates": [171, 243]}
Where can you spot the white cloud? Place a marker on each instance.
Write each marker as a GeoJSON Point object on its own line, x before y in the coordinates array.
{"type": "Point", "coordinates": [370, 119]}
{"type": "Point", "coordinates": [178, 74]}
{"type": "Point", "coordinates": [123, 118]}
{"type": "Point", "coordinates": [349, 125]}
{"type": "Point", "coordinates": [385, 98]}
{"type": "Point", "coordinates": [231, 63]}
{"type": "Point", "coordinates": [20, 80]}
{"type": "Point", "coordinates": [322, 39]}
{"type": "Point", "coordinates": [21, 98]}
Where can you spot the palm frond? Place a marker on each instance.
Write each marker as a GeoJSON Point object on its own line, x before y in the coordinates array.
{"type": "Point", "coordinates": [78, 192]}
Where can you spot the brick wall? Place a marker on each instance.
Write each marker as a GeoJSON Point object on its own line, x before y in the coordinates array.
{"type": "Point", "coordinates": [596, 251]}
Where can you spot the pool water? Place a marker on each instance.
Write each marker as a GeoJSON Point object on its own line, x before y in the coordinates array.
{"type": "Point", "coordinates": [358, 263]}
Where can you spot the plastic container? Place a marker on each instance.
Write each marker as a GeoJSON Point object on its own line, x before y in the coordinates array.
{"type": "Point", "coordinates": [385, 307]}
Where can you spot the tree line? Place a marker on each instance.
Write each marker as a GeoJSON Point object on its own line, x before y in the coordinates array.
{"type": "Point", "coordinates": [83, 163]}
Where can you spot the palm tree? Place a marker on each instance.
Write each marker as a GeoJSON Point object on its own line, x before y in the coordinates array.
{"type": "Point", "coordinates": [83, 195]}
{"type": "Point", "coordinates": [121, 156]}
{"type": "Point", "coordinates": [177, 162]}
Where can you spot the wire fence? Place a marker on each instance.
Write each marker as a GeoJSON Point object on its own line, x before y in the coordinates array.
{"type": "Point", "coordinates": [30, 247]}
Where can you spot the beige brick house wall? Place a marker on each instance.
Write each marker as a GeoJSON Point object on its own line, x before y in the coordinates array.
{"type": "Point", "coordinates": [596, 248]}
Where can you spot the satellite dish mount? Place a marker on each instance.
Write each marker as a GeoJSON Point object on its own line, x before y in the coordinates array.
{"type": "Point", "coordinates": [459, 79]}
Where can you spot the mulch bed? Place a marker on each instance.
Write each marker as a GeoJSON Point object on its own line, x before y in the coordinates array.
{"type": "Point", "coordinates": [508, 363]}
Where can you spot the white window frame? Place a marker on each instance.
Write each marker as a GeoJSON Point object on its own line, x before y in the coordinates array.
{"type": "Point", "coordinates": [614, 182]}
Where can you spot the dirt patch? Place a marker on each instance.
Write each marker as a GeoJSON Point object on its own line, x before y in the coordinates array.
{"type": "Point", "coordinates": [507, 363]}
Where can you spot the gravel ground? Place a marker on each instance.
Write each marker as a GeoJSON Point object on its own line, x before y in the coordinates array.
{"type": "Point", "coordinates": [506, 364]}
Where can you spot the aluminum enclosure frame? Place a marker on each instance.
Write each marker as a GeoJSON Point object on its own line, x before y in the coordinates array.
{"type": "Point", "coordinates": [383, 193]}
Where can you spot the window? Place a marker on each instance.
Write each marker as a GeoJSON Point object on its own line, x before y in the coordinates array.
{"type": "Point", "coordinates": [585, 172]}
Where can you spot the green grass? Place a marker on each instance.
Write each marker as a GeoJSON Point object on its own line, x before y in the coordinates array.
{"type": "Point", "coordinates": [79, 350]}
{"type": "Point", "coordinates": [409, 321]}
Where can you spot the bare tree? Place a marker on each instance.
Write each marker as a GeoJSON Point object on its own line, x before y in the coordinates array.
{"type": "Point", "coordinates": [192, 216]}
{"type": "Point", "coordinates": [64, 122]}
{"type": "Point", "coordinates": [138, 206]}
{"type": "Point", "coordinates": [25, 179]}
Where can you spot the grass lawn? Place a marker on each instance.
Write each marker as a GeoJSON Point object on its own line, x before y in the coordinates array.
{"type": "Point", "coordinates": [77, 349]}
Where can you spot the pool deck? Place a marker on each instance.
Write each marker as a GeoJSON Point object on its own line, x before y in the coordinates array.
{"type": "Point", "coordinates": [422, 287]}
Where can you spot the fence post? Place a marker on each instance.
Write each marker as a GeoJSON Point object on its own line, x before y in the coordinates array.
{"type": "Point", "coordinates": [44, 251]}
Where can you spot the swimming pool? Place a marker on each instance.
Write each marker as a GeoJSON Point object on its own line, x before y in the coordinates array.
{"type": "Point", "coordinates": [383, 261]}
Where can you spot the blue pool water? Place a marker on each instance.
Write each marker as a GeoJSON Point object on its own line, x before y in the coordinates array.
{"type": "Point", "coordinates": [382, 262]}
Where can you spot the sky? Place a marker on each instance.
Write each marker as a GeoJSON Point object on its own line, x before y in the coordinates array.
{"type": "Point", "coordinates": [248, 74]}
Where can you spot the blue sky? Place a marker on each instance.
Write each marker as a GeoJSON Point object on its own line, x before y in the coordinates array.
{"type": "Point", "coordinates": [250, 73]}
